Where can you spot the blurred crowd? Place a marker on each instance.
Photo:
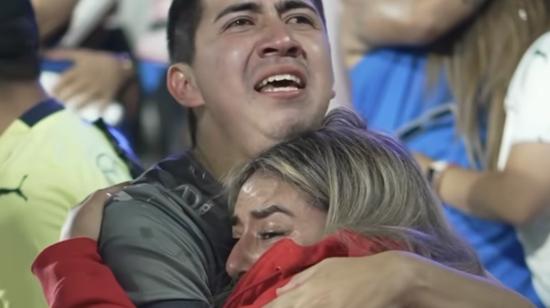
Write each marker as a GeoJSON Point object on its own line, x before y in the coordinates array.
{"type": "Point", "coordinates": [108, 59]}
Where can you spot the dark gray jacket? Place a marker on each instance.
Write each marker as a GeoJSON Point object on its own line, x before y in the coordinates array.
{"type": "Point", "coordinates": [167, 236]}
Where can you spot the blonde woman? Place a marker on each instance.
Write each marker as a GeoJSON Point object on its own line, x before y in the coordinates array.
{"type": "Point", "coordinates": [360, 187]}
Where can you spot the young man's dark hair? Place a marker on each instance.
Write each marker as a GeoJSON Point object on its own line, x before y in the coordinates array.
{"type": "Point", "coordinates": [19, 58]}
{"type": "Point", "coordinates": [183, 20]}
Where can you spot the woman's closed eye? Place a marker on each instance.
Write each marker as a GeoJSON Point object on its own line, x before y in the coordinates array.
{"type": "Point", "coordinates": [272, 234]}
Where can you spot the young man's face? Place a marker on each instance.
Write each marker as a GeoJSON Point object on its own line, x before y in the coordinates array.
{"type": "Point", "coordinates": [263, 68]}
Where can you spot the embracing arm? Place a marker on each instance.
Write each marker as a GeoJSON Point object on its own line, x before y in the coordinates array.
{"type": "Point", "coordinates": [71, 272]}
{"type": "Point", "coordinates": [378, 23]}
{"type": "Point", "coordinates": [72, 275]}
{"type": "Point", "coordinates": [154, 257]}
{"type": "Point", "coordinates": [434, 285]}
{"type": "Point", "coordinates": [68, 269]}
{"type": "Point", "coordinates": [392, 279]}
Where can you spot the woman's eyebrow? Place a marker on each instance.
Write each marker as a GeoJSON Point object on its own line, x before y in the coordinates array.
{"type": "Point", "coordinates": [270, 210]}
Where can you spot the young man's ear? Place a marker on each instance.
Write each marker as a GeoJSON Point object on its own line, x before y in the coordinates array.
{"type": "Point", "coordinates": [181, 84]}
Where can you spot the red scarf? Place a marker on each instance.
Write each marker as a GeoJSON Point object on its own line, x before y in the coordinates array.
{"type": "Point", "coordinates": [286, 258]}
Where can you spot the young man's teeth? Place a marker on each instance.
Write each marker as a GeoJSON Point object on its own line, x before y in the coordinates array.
{"type": "Point", "coordinates": [284, 77]}
{"type": "Point", "coordinates": [272, 89]}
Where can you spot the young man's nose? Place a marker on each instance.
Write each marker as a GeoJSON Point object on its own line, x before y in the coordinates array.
{"type": "Point", "coordinates": [278, 40]}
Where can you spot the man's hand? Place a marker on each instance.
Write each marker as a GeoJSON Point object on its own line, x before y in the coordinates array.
{"type": "Point", "coordinates": [380, 280]}
{"type": "Point", "coordinates": [85, 219]}
{"type": "Point", "coordinates": [96, 76]}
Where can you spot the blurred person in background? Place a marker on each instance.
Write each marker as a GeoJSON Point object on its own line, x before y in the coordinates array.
{"type": "Point", "coordinates": [89, 62]}
{"type": "Point", "coordinates": [508, 89]}
{"type": "Point", "coordinates": [49, 158]}
{"type": "Point", "coordinates": [156, 123]}
{"type": "Point", "coordinates": [437, 74]}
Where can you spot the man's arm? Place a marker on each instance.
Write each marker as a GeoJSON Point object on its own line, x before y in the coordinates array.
{"type": "Point", "coordinates": [73, 276]}
{"type": "Point", "coordinates": [392, 279]}
{"type": "Point", "coordinates": [153, 250]}
{"type": "Point", "coordinates": [377, 23]}
{"type": "Point", "coordinates": [84, 222]}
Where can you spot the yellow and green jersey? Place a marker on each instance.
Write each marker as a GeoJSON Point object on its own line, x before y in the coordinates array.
{"type": "Point", "coordinates": [50, 160]}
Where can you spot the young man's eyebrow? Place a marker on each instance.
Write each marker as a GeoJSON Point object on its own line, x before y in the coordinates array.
{"type": "Point", "coordinates": [270, 210]}
{"type": "Point", "coordinates": [239, 7]}
{"type": "Point", "coordinates": [288, 5]}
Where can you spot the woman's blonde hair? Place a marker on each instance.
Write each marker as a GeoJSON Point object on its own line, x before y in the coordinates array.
{"type": "Point", "coordinates": [366, 182]}
{"type": "Point", "coordinates": [481, 58]}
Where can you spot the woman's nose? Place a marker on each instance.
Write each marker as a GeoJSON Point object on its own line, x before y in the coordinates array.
{"type": "Point", "coordinates": [240, 259]}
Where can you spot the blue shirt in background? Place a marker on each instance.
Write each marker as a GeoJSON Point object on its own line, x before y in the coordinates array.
{"type": "Point", "coordinates": [390, 91]}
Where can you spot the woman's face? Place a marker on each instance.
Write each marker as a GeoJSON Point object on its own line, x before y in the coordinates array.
{"type": "Point", "coordinates": [267, 210]}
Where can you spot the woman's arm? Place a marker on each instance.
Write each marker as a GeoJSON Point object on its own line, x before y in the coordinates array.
{"type": "Point", "coordinates": [73, 276]}
{"type": "Point", "coordinates": [72, 272]}
{"type": "Point", "coordinates": [435, 285]}
{"type": "Point", "coordinates": [392, 279]}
